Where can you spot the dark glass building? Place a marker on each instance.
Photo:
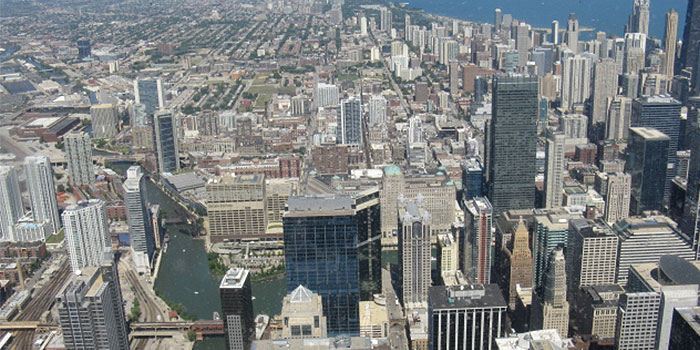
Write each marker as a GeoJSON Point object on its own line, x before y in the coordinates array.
{"type": "Point", "coordinates": [320, 245]}
{"type": "Point", "coordinates": [84, 49]}
{"type": "Point", "coordinates": [237, 309]}
{"type": "Point", "coordinates": [149, 92]}
{"type": "Point", "coordinates": [511, 143]}
{"type": "Point", "coordinates": [685, 328]}
{"type": "Point", "coordinates": [369, 238]}
{"type": "Point", "coordinates": [691, 35]}
{"type": "Point", "coordinates": [166, 142]}
{"type": "Point", "coordinates": [662, 113]}
{"type": "Point", "coordinates": [472, 179]}
{"type": "Point", "coordinates": [690, 223]}
{"type": "Point", "coordinates": [647, 159]}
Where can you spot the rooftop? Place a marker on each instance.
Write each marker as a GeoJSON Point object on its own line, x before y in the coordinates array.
{"type": "Point", "coordinates": [650, 134]}
{"type": "Point", "coordinates": [473, 296]}
{"type": "Point", "coordinates": [319, 203]}
{"type": "Point", "coordinates": [234, 278]}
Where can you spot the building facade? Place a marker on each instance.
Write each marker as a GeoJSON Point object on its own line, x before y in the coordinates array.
{"type": "Point", "coordinates": [79, 157]}
{"type": "Point", "coordinates": [237, 309]}
{"type": "Point", "coordinates": [42, 191]}
{"type": "Point", "coordinates": [414, 247]}
{"type": "Point", "coordinates": [86, 232]}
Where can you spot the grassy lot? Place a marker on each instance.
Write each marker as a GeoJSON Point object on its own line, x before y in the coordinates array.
{"type": "Point", "coordinates": [262, 101]}
{"type": "Point", "coordinates": [263, 89]}
{"type": "Point", "coordinates": [57, 238]}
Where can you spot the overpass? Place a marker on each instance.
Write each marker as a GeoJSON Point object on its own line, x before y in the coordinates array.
{"type": "Point", "coordinates": [25, 325]}
{"type": "Point", "coordinates": [154, 329]}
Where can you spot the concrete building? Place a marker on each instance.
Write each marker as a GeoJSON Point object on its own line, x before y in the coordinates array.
{"type": "Point", "coordinates": [591, 254]}
{"type": "Point", "coordinates": [448, 254]}
{"type": "Point", "coordinates": [166, 142]}
{"type": "Point", "coordinates": [326, 95]}
{"type": "Point", "coordinates": [521, 267]}
{"type": "Point", "coordinates": [551, 230]}
{"type": "Point", "coordinates": [480, 308]}
{"type": "Point", "coordinates": [618, 118]}
{"type": "Point", "coordinates": [554, 170]}
{"type": "Point", "coordinates": [670, 43]}
{"type": "Point", "coordinates": [377, 110]}
{"type": "Point", "coordinates": [90, 308]}
{"type": "Point", "coordinates": [86, 232]}
{"type": "Point", "coordinates": [236, 207]}
{"type": "Point", "coordinates": [596, 311]}
{"type": "Point", "coordinates": [302, 315]}
{"type": "Point", "coordinates": [138, 217]}
{"type": "Point", "coordinates": [555, 308]}
{"type": "Point", "coordinates": [237, 309]}
{"type": "Point", "coordinates": [617, 196]}
{"type": "Point", "coordinates": [79, 157]}
{"type": "Point", "coordinates": [28, 230]}
{"type": "Point", "coordinates": [572, 32]}
{"type": "Point", "coordinates": [105, 121]}
{"type": "Point", "coordinates": [637, 318]}
{"type": "Point", "coordinates": [414, 250]}
{"type": "Point", "coordinates": [635, 50]}
{"type": "Point", "coordinates": [685, 330]}
{"type": "Point", "coordinates": [350, 122]}
{"type": "Point", "coordinates": [540, 339]}
{"type": "Point", "coordinates": [478, 223]}
{"type": "Point", "coordinates": [576, 80]}
{"type": "Point", "coordinates": [604, 88]}
{"type": "Point", "coordinates": [639, 19]}
{"type": "Point", "coordinates": [42, 191]}
{"type": "Point", "coordinates": [11, 208]}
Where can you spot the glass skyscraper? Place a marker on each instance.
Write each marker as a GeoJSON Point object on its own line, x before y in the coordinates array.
{"type": "Point", "coordinates": [647, 159]}
{"type": "Point", "coordinates": [511, 143]}
{"type": "Point", "coordinates": [691, 35]}
{"type": "Point", "coordinates": [166, 142]}
{"type": "Point", "coordinates": [320, 243]}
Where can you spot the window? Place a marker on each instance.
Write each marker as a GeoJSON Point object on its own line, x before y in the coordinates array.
{"type": "Point", "coordinates": [306, 329]}
{"type": "Point", "coordinates": [316, 322]}
{"type": "Point", "coordinates": [296, 331]}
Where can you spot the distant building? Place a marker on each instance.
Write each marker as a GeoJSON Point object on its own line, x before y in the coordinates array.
{"type": "Point", "coordinates": [591, 254]}
{"type": "Point", "coordinates": [647, 163]}
{"type": "Point", "coordinates": [79, 157]}
{"type": "Point", "coordinates": [551, 230]}
{"type": "Point", "coordinates": [86, 232]}
{"type": "Point", "coordinates": [105, 120]}
{"type": "Point", "coordinates": [236, 207]}
{"type": "Point", "coordinates": [150, 93]}
{"type": "Point", "coordinates": [350, 122]}
{"type": "Point", "coordinates": [414, 250]}
{"type": "Point", "coordinates": [84, 49]}
{"type": "Point", "coordinates": [42, 191]}
{"type": "Point", "coordinates": [302, 315]}
{"type": "Point", "coordinates": [521, 265]}
{"type": "Point", "coordinates": [166, 142]}
{"type": "Point", "coordinates": [472, 179]}
{"type": "Point", "coordinates": [326, 95]}
{"type": "Point", "coordinates": [554, 170]}
{"type": "Point", "coordinates": [237, 309]}
{"type": "Point", "coordinates": [617, 196]}
{"type": "Point", "coordinates": [478, 223]}
{"type": "Point", "coordinates": [139, 218]}
{"type": "Point", "coordinates": [482, 309]}
{"type": "Point", "coordinates": [555, 309]}
{"type": "Point", "coordinates": [11, 208]}
{"type": "Point", "coordinates": [90, 308]}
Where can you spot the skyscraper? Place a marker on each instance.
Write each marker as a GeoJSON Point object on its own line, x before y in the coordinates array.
{"type": "Point", "coordinates": [619, 115]}
{"type": "Point", "coordinates": [690, 223]}
{"type": "Point", "coordinates": [604, 87]}
{"type": "Point", "coordinates": [385, 20]}
{"type": "Point", "coordinates": [497, 19]}
{"type": "Point", "coordinates": [42, 193]}
{"type": "Point", "coordinates": [555, 32]}
{"type": "Point", "coordinates": [11, 209]}
{"type": "Point", "coordinates": [149, 92]}
{"type": "Point", "coordinates": [617, 197]}
{"type": "Point", "coordinates": [415, 130]}
{"type": "Point", "coordinates": [84, 49]}
{"type": "Point", "coordinates": [236, 207]}
{"type": "Point", "coordinates": [326, 95]}
{"type": "Point", "coordinates": [635, 53]}
{"type": "Point", "coordinates": [637, 318]}
{"type": "Point", "coordinates": [639, 20]}
{"type": "Point", "coordinates": [87, 233]}
{"type": "Point", "coordinates": [414, 247]}
{"type": "Point", "coordinates": [662, 113]}
{"type": "Point", "coordinates": [647, 161]}
{"type": "Point", "coordinates": [521, 267]}
{"type": "Point", "coordinates": [90, 308]}
{"type": "Point", "coordinates": [472, 179]}
{"type": "Point", "coordinates": [139, 218]}
{"type": "Point", "coordinates": [166, 142]}
{"type": "Point", "coordinates": [377, 110]}
{"type": "Point", "coordinates": [555, 309]}
{"type": "Point", "coordinates": [670, 42]}
{"type": "Point", "coordinates": [554, 170]}
{"type": "Point", "coordinates": [576, 80]}
{"type": "Point", "coordinates": [105, 119]}
{"type": "Point", "coordinates": [572, 31]}
{"type": "Point", "coordinates": [79, 157]}
{"type": "Point", "coordinates": [591, 254]}
{"type": "Point", "coordinates": [350, 122]}
{"type": "Point", "coordinates": [302, 312]}
{"type": "Point", "coordinates": [237, 308]}
{"type": "Point", "coordinates": [511, 143]}
{"type": "Point", "coordinates": [691, 35]}
{"type": "Point", "coordinates": [477, 242]}
{"type": "Point", "coordinates": [327, 227]}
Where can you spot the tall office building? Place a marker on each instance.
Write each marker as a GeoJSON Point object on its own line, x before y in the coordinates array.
{"type": "Point", "coordinates": [326, 226]}
{"type": "Point", "coordinates": [472, 179]}
{"type": "Point", "coordinates": [454, 77]}
{"type": "Point", "coordinates": [604, 88]}
{"type": "Point", "coordinates": [139, 218]}
{"type": "Point", "coordinates": [237, 309]}
{"type": "Point", "coordinates": [619, 115]}
{"type": "Point", "coordinates": [326, 95]}
{"type": "Point", "coordinates": [90, 308]}
{"type": "Point", "coordinates": [637, 318]}
{"type": "Point", "coordinates": [478, 313]}
{"type": "Point", "coordinates": [497, 19]}
{"type": "Point", "coordinates": [635, 53]}
{"type": "Point", "coordinates": [551, 231]}
{"type": "Point", "coordinates": [639, 20]}
{"type": "Point", "coordinates": [617, 197]}
{"type": "Point", "coordinates": [302, 315]}
{"type": "Point", "coordinates": [415, 130]}
{"type": "Point", "coordinates": [377, 110]}
{"type": "Point", "coordinates": [554, 170]}
{"type": "Point", "coordinates": [555, 32]}
{"type": "Point", "coordinates": [478, 216]}
{"type": "Point", "coordinates": [670, 43]}
{"type": "Point", "coordinates": [511, 143]}
{"type": "Point", "coordinates": [42, 192]}
{"type": "Point", "coordinates": [150, 93]}
{"type": "Point", "coordinates": [84, 49]}
{"type": "Point", "coordinates": [522, 43]}
{"type": "Point", "coordinates": [591, 254]}
{"type": "Point", "coordinates": [87, 233]}
{"type": "Point", "coordinates": [414, 247]}
{"type": "Point", "coordinates": [647, 161]}
{"type": "Point", "coordinates": [576, 80]}
{"type": "Point", "coordinates": [572, 31]}
{"type": "Point", "coordinates": [11, 208]}
{"type": "Point", "coordinates": [690, 222]}
{"type": "Point", "coordinates": [521, 267]}
{"type": "Point", "coordinates": [449, 50]}
{"type": "Point", "coordinates": [236, 207]}
{"type": "Point", "coordinates": [555, 311]}
{"type": "Point", "coordinates": [385, 20]}
{"type": "Point", "coordinates": [350, 122]}
{"type": "Point", "coordinates": [79, 158]}
{"type": "Point", "coordinates": [691, 35]}
{"type": "Point", "coordinates": [662, 113]}
{"type": "Point", "coordinates": [166, 142]}
{"type": "Point", "coordinates": [105, 120]}
{"type": "Point", "coordinates": [646, 241]}
{"type": "Point", "coordinates": [392, 186]}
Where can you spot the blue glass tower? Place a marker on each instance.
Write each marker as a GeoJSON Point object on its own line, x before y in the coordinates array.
{"type": "Point", "coordinates": [647, 159]}
{"type": "Point", "coordinates": [472, 179]}
{"type": "Point", "coordinates": [320, 244]}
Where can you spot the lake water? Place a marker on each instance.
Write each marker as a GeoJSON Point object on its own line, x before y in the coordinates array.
{"type": "Point", "coordinates": [606, 15]}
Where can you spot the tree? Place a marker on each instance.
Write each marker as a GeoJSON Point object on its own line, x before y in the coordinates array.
{"type": "Point", "coordinates": [60, 188]}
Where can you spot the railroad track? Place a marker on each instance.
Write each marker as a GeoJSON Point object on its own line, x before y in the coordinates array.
{"type": "Point", "coordinates": [148, 305]}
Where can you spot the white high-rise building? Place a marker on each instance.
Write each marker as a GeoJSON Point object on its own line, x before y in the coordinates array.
{"type": "Point", "coordinates": [42, 191]}
{"type": "Point", "coordinates": [11, 209]}
{"type": "Point", "coordinates": [554, 170]}
{"type": "Point", "coordinates": [635, 51]}
{"type": "Point", "coordinates": [415, 130]}
{"type": "Point", "coordinates": [555, 32]}
{"type": "Point", "coordinates": [617, 197]}
{"type": "Point", "coordinates": [576, 80]}
{"type": "Point", "coordinates": [105, 120]}
{"type": "Point", "coordinates": [639, 20]}
{"type": "Point", "coordinates": [326, 95]}
{"type": "Point", "coordinates": [637, 319]}
{"type": "Point", "coordinates": [363, 26]}
{"type": "Point", "coordinates": [79, 157]}
{"type": "Point", "coordinates": [604, 87]}
{"type": "Point", "coordinates": [572, 30]}
{"type": "Point", "coordinates": [618, 119]}
{"type": "Point", "coordinates": [670, 43]}
{"type": "Point", "coordinates": [349, 130]}
{"type": "Point", "coordinates": [385, 20]}
{"type": "Point", "coordinates": [377, 110]}
{"type": "Point", "coordinates": [414, 247]}
{"type": "Point", "coordinates": [449, 49]}
{"type": "Point", "coordinates": [86, 232]}
{"type": "Point", "coordinates": [139, 218]}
